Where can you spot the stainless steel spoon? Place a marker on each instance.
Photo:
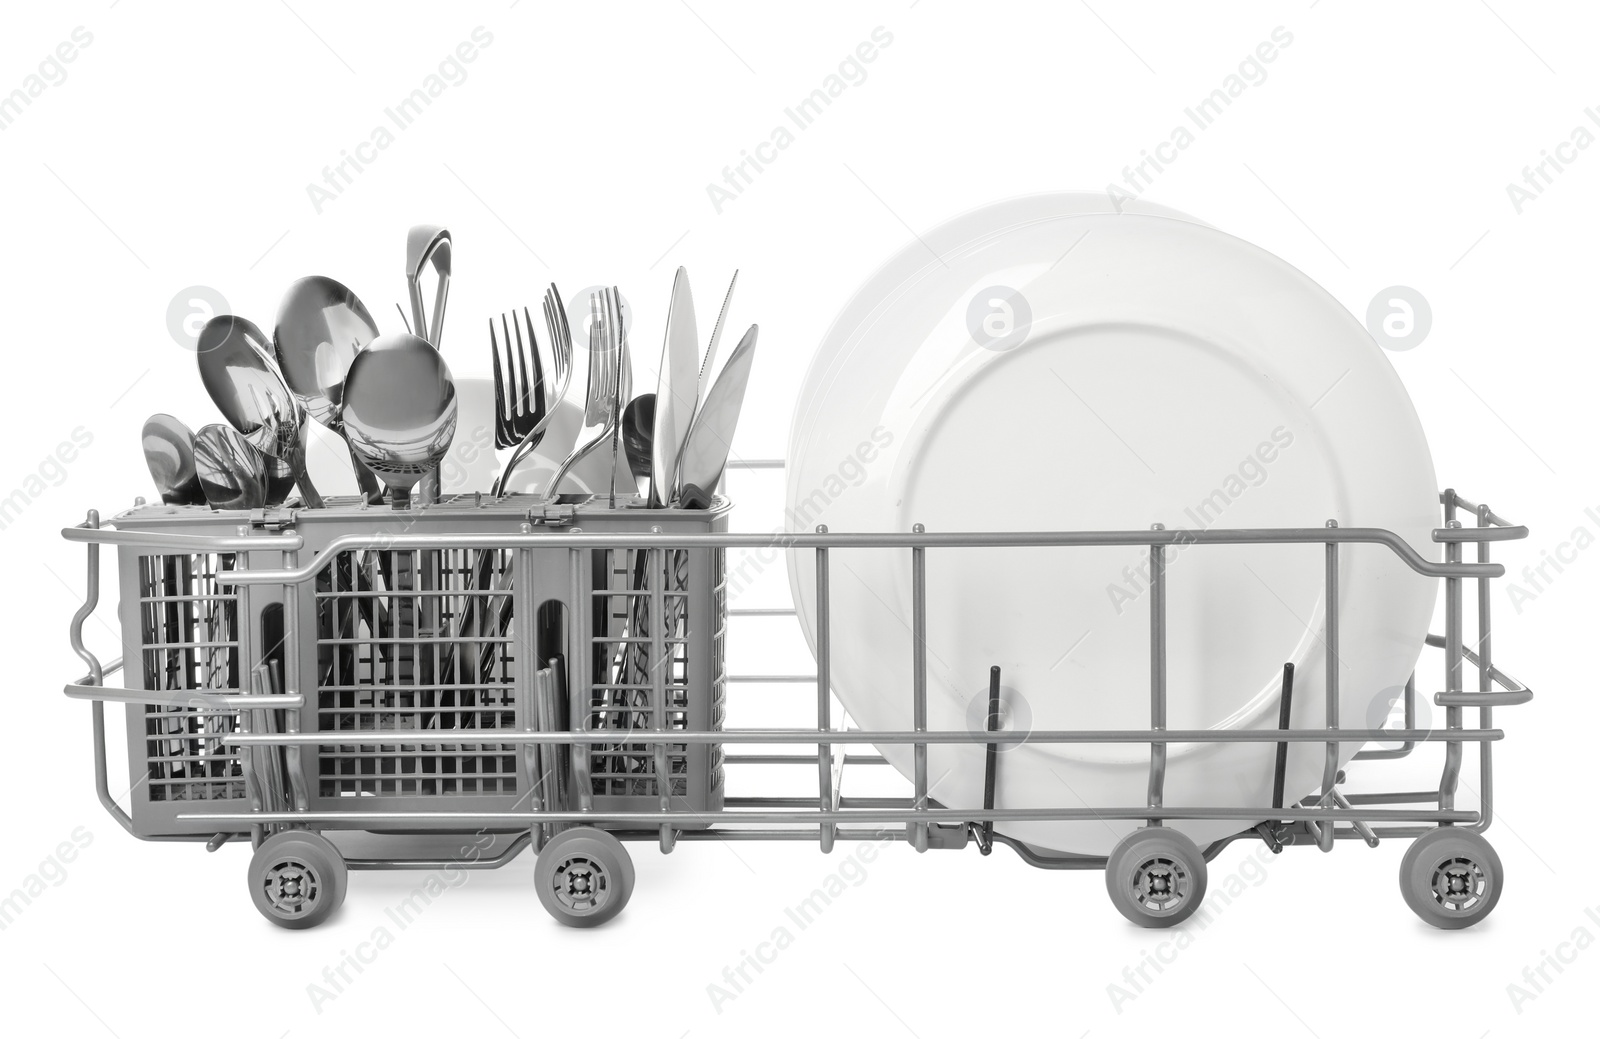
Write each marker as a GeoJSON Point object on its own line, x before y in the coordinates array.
{"type": "Point", "coordinates": [400, 410]}
{"type": "Point", "coordinates": [638, 434]}
{"type": "Point", "coordinates": [246, 385]}
{"type": "Point", "coordinates": [281, 475]}
{"type": "Point", "coordinates": [425, 244]}
{"type": "Point", "coordinates": [428, 243]}
{"type": "Point", "coordinates": [229, 469]}
{"type": "Point", "coordinates": [169, 452]}
{"type": "Point", "coordinates": [321, 327]}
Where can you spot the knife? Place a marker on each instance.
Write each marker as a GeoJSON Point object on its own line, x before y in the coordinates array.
{"type": "Point", "coordinates": [711, 351]}
{"type": "Point", "coordinates": [676, 390]}
{"type": "Point", "coordinates": [705, 455]}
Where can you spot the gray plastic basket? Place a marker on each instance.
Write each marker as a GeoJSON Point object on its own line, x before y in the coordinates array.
{"type": "Point", "coordinates": [411, 660]}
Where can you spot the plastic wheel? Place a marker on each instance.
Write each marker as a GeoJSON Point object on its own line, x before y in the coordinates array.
{"type": "Point", "coordinates": [584, 877]}
{"type": "Point", "coordinates": [297, 879]}
{"type": "Point", "coordinates": [1156, 877]}
{"type": "Point", "coordinates": [1451, 877]}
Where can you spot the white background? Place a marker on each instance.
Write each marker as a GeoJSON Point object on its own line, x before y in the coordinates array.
{"type": "Point", "coordinates": [177, 151]}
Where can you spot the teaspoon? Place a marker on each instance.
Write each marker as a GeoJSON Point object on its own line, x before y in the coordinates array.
{"type": "Point", "coordinates": [169, 452]}
{"type": "Point", "coordinates": [229, 469]}
{"type": "Point", "coordinates": [400, 410]}
{"type": "Point", "coordinates": [321, 327]}
{"type": "Point", "coordinates": [246, 385]}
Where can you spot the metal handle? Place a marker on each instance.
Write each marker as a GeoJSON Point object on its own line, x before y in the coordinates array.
{"type": "Point", "coordinates": [553, 491]}
{"type": "Point", "coordinates": [181, 544]}
{"type": "Point", "coordinates": [428, 243]}
{"type": "Point", "coordinates": [180, 697]}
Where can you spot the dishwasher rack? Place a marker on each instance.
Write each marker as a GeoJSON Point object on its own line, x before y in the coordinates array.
{"type": "Point", "coordinates": [435, 722]}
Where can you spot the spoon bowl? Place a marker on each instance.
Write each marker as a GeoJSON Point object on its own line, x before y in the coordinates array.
{"type": "Point", "coordinates": [229, 470]}
{"type": "Point", "coordinates": [169, 452]}
{"type": "Point", "coordinates": [320, 329]}
{"type": "Point", "coordinates": [237, 368]}
{"type": "Point", "coordinates": [400, 410]}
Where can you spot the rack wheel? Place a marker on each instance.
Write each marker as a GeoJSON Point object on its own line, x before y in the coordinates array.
{"type": "Point", "coordinates": [297, 878]}
{"type": "Point", "coordinates": [584, 877]}
{"type": "Point", "coordinates": [1451, 877]}
{"type": "Point", "coordinates": [1156, 877]}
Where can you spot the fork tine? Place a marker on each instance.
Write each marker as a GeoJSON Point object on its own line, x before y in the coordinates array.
{"type": "Point", "coordinates": [511, 369]}
{"type": "Point", "coordinates": [609, 387]}
{"type": "Point", "coordinates": [618, 339]}
{"type": "Point", "coordinates": [559, 329]}
{"type": "Point", "coordinates": [550, 323]}
{"type": "Point", "coordinates": [512, 386]}
{"type": "Point", "coordinates": [501, 433]}
{"type": "Point", "coordinates": [539, 390]}
{"type": "Point", "coordinates": [522, 405]}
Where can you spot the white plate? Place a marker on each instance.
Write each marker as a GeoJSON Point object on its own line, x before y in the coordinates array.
{"type": "Point", "coordinates": [1162, 355]}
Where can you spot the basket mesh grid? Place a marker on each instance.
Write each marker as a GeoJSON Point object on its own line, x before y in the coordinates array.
{"type": "Point", "coordinates": [625, 666]}
{"type": "Point", "coordinates": [189, 640]}
{"type": "Point", "coordinates": [719, 657]}
{"type": "Point", "coordinates": [418, 643]}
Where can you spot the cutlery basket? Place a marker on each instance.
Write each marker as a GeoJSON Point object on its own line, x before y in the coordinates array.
{"type": "Point", "coordinates": [413, 639]}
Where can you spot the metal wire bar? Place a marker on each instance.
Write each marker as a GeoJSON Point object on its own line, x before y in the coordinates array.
{"type": "Point", "coordinates": [919, 686]}
{"type": "Point", "coordinates": [801, 759]}
{"type": "Point", "coordinates": [210, 700]}
{"type": "Point", "coordinates": [179, 544]}
{"type": "Point", "coordinates": [908, 817]}
{"type": "Point", "coordinates": [903, 736]}
{"type": "Point", "coordinates": [1486, 678]}
{"type": "Point", "coordinates": [1409, 697]}
{"type": "Point", "coordinates": [1330, 639]}
{"type": "Point", "coordinates": [825, 832]}
{"type": "Point", "coordinates": [1158, 674]}
{"type": "Point", "coordinates": [662, 569]}
{"type": "Point", "coordinates": [1404, 797]}
{"type": "Point", "coordinates": [1452, 665]}
{"type": "Point", "coordinates": [512, 850]}
{"type": "Point", "coordinates": [917, 539]}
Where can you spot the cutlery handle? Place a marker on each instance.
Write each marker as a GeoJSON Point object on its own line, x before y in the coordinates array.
{"type": "Point", "coordinates": [310, 498]}
{"type": "Point", "coordinates": [309, 494]}
{"type": "Point", "coordinates": [573, 459]}
{"type": "Point", "coordinates": [428, 243]}
{"type": "Point", "coordinates": [528, 443]}
{"type": "Point", "coordinates": [366, 479]}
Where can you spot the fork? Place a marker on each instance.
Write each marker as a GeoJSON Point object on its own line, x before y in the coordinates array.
{"type": "Point", "coordinates": [606, 343]}
{"type": "Point", "coordinates": [518, 403]}
{"type": "Point", "coordinates": [601, 410]}
{"type": "Point", "coordinates": [555, 317]}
